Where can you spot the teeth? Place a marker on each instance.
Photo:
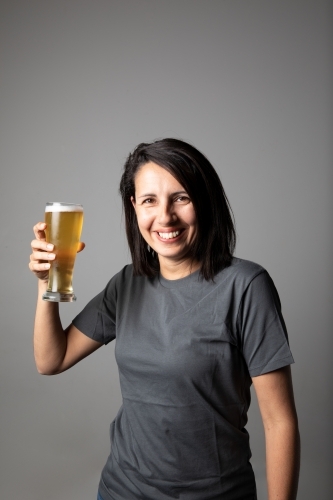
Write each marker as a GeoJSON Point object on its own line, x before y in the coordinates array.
{"type": "Point", "coordinates": [167, 236]}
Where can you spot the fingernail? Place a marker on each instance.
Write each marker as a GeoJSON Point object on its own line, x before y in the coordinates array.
{"type": "Point", "coordinates": [51, 256]}
{"type": "Point", "coordinates": [49, 246]}
{"type": "Point", "coordinates": [47, 266]}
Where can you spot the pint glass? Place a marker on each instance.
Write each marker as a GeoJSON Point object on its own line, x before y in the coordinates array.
{"type": "Point", "coordinates": [63, 230]}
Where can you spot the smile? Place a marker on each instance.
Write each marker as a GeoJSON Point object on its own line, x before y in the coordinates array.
{"type": "Point", "coordinates": [168, 236]}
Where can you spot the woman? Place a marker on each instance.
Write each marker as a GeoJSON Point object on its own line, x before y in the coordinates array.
{"type": "Point", "coordinates": [194, 328]}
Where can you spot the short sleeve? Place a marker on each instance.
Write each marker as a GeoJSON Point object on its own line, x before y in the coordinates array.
{"type": "Point", "coordinates": [98, 319]}
{"type": "Point", "coordinates": [261, 329]}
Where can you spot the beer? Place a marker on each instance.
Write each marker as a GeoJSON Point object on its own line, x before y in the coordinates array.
{"type": "Point", "coordinates": [63, 229]}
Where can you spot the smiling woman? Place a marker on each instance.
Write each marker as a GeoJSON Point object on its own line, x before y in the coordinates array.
{"type": "Point", "coordinates": [166, 219]}
{"type": "Point", "coordinates": [185, 194]}
{"type": "Point", "coordinates": [195, 327]}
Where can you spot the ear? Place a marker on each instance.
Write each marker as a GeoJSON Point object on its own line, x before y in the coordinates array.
{"type": "Point", "coordinates": [133, 201]}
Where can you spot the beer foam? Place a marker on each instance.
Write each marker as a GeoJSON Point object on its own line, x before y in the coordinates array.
{"type": "Point", "coordinates": [63, 207]}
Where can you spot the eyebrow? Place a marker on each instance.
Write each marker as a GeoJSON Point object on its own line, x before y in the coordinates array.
{"type": "Point", "coordinates": [172, 194]}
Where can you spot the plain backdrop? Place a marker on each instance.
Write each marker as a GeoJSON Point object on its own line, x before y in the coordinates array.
{"type": "Point", "coordinates": [249, 83]}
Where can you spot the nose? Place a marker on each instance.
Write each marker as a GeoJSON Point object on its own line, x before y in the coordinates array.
{"type": "Point", "coordinates": [166, 214]}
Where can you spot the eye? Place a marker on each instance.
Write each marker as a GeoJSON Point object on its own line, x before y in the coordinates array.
{"type": "Point", "coordinates": [147, 201]}
{"type": "Point", "coordinates": [183, 199]}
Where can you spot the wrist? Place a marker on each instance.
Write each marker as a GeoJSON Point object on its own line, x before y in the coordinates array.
{"type": "Point", "coordinates": [42, 286]}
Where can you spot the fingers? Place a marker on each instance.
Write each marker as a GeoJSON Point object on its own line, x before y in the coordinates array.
{"type": "Point", "coordinates": [39, 264]}
{"type": "Point", "coordinates": [39, 267]}
{"type": "Point", "coordinates": [41, 252]}
{"type": "Point", "coordinates": [40, 261]}
{"type": "Point", "coordinates": [41, 256]}
{"type": "Point", "coordinates": [37, 245]}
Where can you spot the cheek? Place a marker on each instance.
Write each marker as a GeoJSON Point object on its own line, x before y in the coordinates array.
{"type": "Point", "coordinates": [144, 219]}
{"type": "Point", "coordinates": [189, 216]}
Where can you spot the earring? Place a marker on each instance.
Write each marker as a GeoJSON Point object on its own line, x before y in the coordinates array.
{"type": "Point", "coordinates": [152, 251]}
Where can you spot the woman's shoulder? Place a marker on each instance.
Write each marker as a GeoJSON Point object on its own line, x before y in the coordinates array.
{"type": "Point", "coordinates": [126, 278]}
{"type": "Point", "coordinates": [244, 277]}
{"type": "Point", "coordinates": [241, 270]}
{"type": "Point", "coordinates": [247, 267]}
{"type": "Point", "coordinates": [124, 275]}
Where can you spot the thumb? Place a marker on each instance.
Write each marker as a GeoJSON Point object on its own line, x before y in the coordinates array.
{"type": "Point", "coordinates": [80, 246]}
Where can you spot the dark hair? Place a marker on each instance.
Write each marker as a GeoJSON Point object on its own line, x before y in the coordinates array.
{"type": "Point", "coordinates": [216, 237]}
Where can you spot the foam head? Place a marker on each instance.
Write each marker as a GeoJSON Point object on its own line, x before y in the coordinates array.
{"type": "Point", "coordinates": [59, 206]}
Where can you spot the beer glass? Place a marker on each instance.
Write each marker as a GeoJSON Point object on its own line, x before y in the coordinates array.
{"type": "Point", "coordinates": [63, 229]}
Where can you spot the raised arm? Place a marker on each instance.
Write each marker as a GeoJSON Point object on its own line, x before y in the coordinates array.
{"type": "Point", "coordinates": [276, 401]}
{"type": "Point", "coordinates": [55, 349]}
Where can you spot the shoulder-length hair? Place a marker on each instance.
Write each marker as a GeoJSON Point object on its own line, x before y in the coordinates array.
{"type": "Point", "coordinates": [215, 239]}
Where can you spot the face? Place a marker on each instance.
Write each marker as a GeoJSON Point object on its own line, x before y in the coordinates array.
{"type": "Point", "coordinates": [165, 214]}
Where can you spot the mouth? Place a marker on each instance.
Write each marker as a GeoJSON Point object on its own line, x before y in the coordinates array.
{"type": "Point", "coordinates": [170, 235]}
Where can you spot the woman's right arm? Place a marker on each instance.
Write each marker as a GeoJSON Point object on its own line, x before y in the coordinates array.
{"type": "Point", "coordinates": [55, 349]}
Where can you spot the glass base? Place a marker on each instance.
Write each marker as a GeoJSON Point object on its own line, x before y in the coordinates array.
{"type": "Point", "coordinates": [59, 297]}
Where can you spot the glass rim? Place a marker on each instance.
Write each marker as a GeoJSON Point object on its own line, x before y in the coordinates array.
{"type": "Point", "coordinates": [63, 204]}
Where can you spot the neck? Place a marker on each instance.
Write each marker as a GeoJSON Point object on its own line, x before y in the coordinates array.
{"type": "Point", "coordinates": [171, 270]}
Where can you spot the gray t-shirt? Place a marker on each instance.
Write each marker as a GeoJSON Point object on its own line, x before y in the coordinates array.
{"type": "Point", "coordinates": [186, 351]}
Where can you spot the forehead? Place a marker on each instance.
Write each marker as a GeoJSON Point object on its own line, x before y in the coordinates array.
{"type": "Point", "coordinates": [153, 175]}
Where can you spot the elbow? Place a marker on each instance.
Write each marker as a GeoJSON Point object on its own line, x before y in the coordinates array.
{"type": "Point", "coordinates": [46, 370]}
{"type": "Point", "coordinates": [48, 366]}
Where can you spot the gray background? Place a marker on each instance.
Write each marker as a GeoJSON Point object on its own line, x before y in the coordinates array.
{"type": "Point", "coordinates": [248, 82]}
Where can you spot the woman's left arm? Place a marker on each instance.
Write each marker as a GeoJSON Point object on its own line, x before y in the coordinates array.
{"type": "Point", "coordinates": [276, 402]}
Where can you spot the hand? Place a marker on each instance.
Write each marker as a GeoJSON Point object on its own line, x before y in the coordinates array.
{"type": "Point", "coordinates": [42, 253]}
